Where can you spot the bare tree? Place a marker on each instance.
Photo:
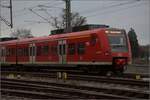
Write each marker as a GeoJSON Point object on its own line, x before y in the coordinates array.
{"type": "Point", "coordinates": [76, 20]}
{"type": "Point", "coordinates": [22, 33]}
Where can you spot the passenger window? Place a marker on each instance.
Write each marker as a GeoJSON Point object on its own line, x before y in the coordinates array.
{"type": "Point", "coordinates": [7, 52]}
{"type": "Point", "coordinates": [19, 52]}
{"type": "Point", "coordinates": [45, 50]}
{"type": "Point", "coordinates": [25, 50]}
{"type": "Point", "coordinates": [38, 53]}
{"type": "Point", "coordinates": [2, 52]}
{"type": "Point", "coordinates": [54, 50]}
{"type": "Point", "coordinates": [13, 51]}
{"type": "Point", "coordinates": [71, 49]}
{"type": "Point", "coordinates": [81, 48]}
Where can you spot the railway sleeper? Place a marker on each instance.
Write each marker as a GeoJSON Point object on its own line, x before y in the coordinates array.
{"type": "Point", "coordinates": [31, 94]}
{"type": "Point", "coordinates": [109, 91]}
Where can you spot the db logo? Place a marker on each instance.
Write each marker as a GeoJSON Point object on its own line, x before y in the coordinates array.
{"type": "Point", "coordinates": [119, 54]}
{"type": "Point", "coordinates": [87, 43]}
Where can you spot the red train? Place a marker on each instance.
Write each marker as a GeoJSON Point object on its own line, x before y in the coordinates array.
{"type": "Point", "coordinates": [104, 49]}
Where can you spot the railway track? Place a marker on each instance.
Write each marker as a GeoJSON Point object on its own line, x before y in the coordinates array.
{"type": "Point", "coordinates": [97, 78]}
{"type": "Point", "coordinates": [75, 72]}
{"type": "Point", "coordinates": [66, 90]}
{"type": "Point", "coordinates": [112, 81]}
{"type": "Point", "coordinates": [66, 69]}
{"type": "Point", "coordinates": [112, 87]}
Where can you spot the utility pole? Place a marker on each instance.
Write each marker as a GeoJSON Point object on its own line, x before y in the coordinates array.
{"type": "Point", "coordinates": [10, 24]}
{"type": "Point", "coordinates": [11, 17]}
{"type": "Point", "coordinates": [68, 16]}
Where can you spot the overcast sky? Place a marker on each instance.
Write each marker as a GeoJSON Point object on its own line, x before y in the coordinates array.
{"type": "Point", "coordinates": [115, 13]}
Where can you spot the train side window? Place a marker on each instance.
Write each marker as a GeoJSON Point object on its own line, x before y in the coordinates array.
{"type": "Point", "coordinates": [22, 53]}
{"type": "Point", "coordinates": [7, 52]}
{"type": "Point", "coordinates": [38, 53]}
{"type": "Point", "coordinates": [25, 51]}
{"type": "Point", "coordinates": [81, 48]}
{"type": "Point", "coordinates": [54, 50]}
{"type": "Point", "coordinates": [1, 52]}
{"type": "Point", "coordinates": [19, 52]}
{"type": "Point", "coordinates": [45, 50]}
{"type": "Point", "coordinates": [71, 49]}
{"type": "Point", "coordinates": [12, 52]}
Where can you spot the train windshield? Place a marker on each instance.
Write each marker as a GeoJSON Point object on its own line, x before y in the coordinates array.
{"type": "Point", "coordinates": [118, 42]}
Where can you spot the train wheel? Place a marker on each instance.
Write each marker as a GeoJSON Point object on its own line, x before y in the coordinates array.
{"type": "Point", "coordinates": [84, 69]}
{"type": "Point", "coordinates": [119, 72]}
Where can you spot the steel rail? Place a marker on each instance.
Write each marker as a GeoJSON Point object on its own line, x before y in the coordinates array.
{"type": "Point", "coordinates": [57, 86]}
{"type": "Point", "coordinates": [95, 78]}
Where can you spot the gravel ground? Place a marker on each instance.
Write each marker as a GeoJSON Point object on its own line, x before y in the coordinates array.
{"type": "Point", "coordinates": [130, 69]}
{"type": "Point", "coordinates": [7, 97]}
{"type": "Point", "coordinates": [138, 69]}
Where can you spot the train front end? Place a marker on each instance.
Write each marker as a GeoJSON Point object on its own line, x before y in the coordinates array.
{"type": "Point", "coordinates": [120, 49]}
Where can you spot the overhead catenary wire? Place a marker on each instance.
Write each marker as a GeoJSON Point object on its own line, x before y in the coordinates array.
{"type": "Point", "coordinates": [22, 10]}
{"type": "Point", "coordinates": [109, 7]}
{"type": "Point", "coordinates": [39, 15]}
{"type": "Point", "coordinates": [99, 12]}
{"type": "Point", "coordinates": [33, 7]}
{"type": "Point", "coordinates": [114, 10]}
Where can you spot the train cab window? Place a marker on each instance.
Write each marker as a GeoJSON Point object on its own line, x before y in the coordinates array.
{"type": "Point", "coordinates": [81, 48]}
{"type": "Point", "coordinates": [71, 49]}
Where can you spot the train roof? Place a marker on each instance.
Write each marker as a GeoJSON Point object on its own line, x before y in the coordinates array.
{"type": "Point", "coordinates": [56, 36]}
{"type": "Point", "coordinates": [80, 28]}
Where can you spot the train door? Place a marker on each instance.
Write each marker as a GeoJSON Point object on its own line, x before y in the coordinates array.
{"type": "Point", "coordinates": [3, 54]}
{"type": "Point", "coordinates": [62, 51]}
{"type": "Point", "coordinates": [32, 53]}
